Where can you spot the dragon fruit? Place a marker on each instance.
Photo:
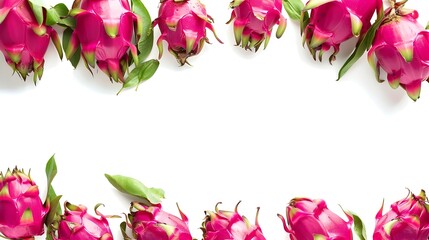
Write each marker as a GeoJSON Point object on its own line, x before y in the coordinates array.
{"type": "Point", "coordinates": [104, 35]}
{"type": "Point", "coordinates": [407, 219]}
{"type": "Point", "coordinates": [311, 219]}
{"type": "Point", "coordinates": [77, 224]}
{"type": "Point", "coordinates": [183, 26]}
{"type": "Point", "coordinates": [401, 49]}
{"type": "Point", "coordinates": [254, 21]}
{"type": "Point", "coordinates": [22, 213]}
{"type": "Point", "coordinates": [151, 222]}
{"type": "Point", "coordinates": [324, 30]}
{"type": "Point", "coordinates": [25, 38]}
{"type": "Point", "coordinates": [221, 224]}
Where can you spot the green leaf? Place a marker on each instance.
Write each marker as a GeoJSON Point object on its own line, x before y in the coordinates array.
{"type": "Point", "coordinates": [57, 15]}
{"type": "Point", "coordinates": [141, 73]}
{"type": "Point", "coordinates": [362, 46]}
{"type": "Point", "coordinates": [145, 47]}
{"type": "Point", "coordinates": [52, 17]}
{"type": "Point", "coordinates": [66, 37]}
{"type": "Point", "coordinates": [427, 26]}
{"type": "Point", "coordinates": [123, 227]}
{"type": "Point", "coordinates": [293, 8]}
{"type": "Point", "coordinates": [37, 7]}
{"type": "Point", "coordinates": [61, 9]}
{"type": "Point", "coordinates": [38, 2]}
{"type": "Point", "coordinates": [68, 21]}
{"type": "Point", "coordinates": [144, 29]}
{"type": "Point", "coordinates": [138, 8]}
{"type": "Point", "coordinates": [359, 227]}
{"type": "Point", "coordinates": [135, 188]}
{"type": "Point", "coordinates": [74, 60]}
{"type": "Point", "coordinates": [53, 215]}
{"type": "Point", "coordinates": [51, 198]}
{"type": "Point", "coordinates": [51, 170]}
{"type": "Point", "coordinates": [148, 69]}
{"type": "Point", "coordinates": [53, 218]}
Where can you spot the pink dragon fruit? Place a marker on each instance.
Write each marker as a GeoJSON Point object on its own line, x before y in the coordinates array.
{"type": "Point", "coordinates": [24, 41]}
{"type": "Point", "coordinates": [77, 224]}
{"type": "Point", "coordinates": [22, 213]}
{"type": "Point", "coordinates": [154, 223]}
{"type": "Point", "coordinates": [228, 225]}
{"type": "Point", "coordinates": [104, 31]}
{"type": "Point", "coordinates": [183, 25]}
{"type": "Point", "coordinates": [325, 30]}
{"type": "Point", "coordinates": [401, 48]}
{"type": "Point", "coordinates": [407, 219]}
{"type": "Point", "coordinates": [311, 219]}
{"type": "Point", "coordinates": [254, 21]}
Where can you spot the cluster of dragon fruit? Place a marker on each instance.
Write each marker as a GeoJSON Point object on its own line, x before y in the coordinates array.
{"type": "Point", "coordinates": [23, 215]}
{"type": "Point", "coordinates": [117, 36]}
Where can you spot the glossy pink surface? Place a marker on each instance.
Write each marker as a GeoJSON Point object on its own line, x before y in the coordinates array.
{"type": "Point", "coordinates": [21, 210]}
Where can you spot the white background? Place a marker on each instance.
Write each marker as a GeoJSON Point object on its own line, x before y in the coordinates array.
{"type": "Point", "coordinates": [236, 125]}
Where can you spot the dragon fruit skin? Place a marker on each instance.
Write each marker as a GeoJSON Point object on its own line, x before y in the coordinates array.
{"type": "Point", "coordinates": [401, 49]}
{"type": "Point", "coordinates": [254, 21]}
{"type": "Point", "coordinates": [183, 26]}
{"type": "Point", "coordinates": [104, 30]}
{"type": "Point", "coordinates": [326, 30]}
{"type": "Point", "coordinates": [22, 213]}
{"type": "Point", "coordinates": [154, 223]}
{"type": "Point", "coordinates": [77, 224]}
{"type": "Point", "coordinates": [227, 225]}
{"type": "Point", "coordinates": [309, 219]}
{"type": "Point", "coordinates": [23, 41]}
{"type": "Point", "coordinates": [407, 219]}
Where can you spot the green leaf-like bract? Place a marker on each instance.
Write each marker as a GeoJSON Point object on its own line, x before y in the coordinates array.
{"type": "Point", "coordinates": [135, 188]}
{"type": "Point", "coordinates": [362, 45]}
{"type": "Point", "coordinates": [293, 8]}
